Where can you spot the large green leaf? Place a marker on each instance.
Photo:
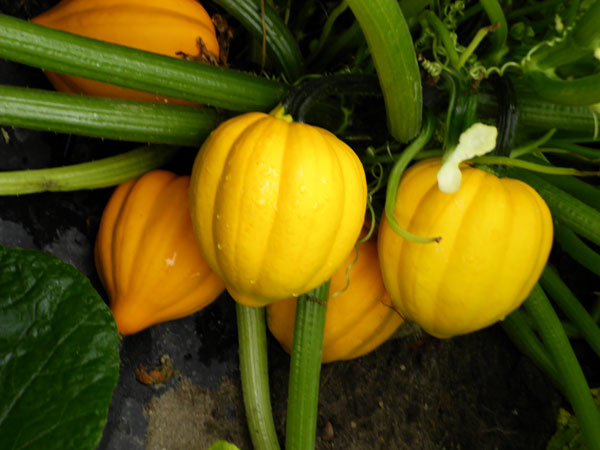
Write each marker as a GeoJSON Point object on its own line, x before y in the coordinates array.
{"type": "Point", "coordinates": [59, 357]}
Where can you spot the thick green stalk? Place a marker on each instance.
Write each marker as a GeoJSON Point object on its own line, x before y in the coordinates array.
{"type": "Point", "coordinates": [583, 191]}
{"type": "Point", "coordinates": [581, 218]}
{"type": "Point", "coordinates": [305, 368]}
{"type": "Point", "coordinates": [576, 388]}
{"type": "Point", "coordinates": [577, 92]}
{"type": "Point", "coordinates": [50, 49]}
{"type": "Point", "coordinates": [279, 41]}
{"type": "Point", "coordinates": [570, 305]}
{"type": "Point", "coordinates": [519, 331]}
{"type": "Point", "coordinates": [90, 175]}
{"type": "Point", "coordinates": [125, 120]}
{"type": "Point", "coordinates": [252, 337]}
{"type": "Point", "coordinates": [534, 112]}
{"type": "Point", "coordinates": [393, 53]}
{"type": "Point", "coordinates": [576, 248]}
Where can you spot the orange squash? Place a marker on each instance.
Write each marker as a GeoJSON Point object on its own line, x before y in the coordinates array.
{"type": "Point", "coordinates": [146, 254]}
{"type": "Point", "coordinates": [496, 237]}
{"type": "Point", "coordinates": [164, 27]}
{"type": "Point", "coordinates": [358, 320]}
{"type": "Point", "coordinates": [276, 205]}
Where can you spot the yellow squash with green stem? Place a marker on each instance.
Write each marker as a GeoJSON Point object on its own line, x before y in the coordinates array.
{"type": "Point", "coordinates": [171, 28]}
{"type": "Point", "coordinates": [496, 235]}
{"type": "Point", "coordinates": [360, 316]}
{"type": "Point", "coordinates": [276, 205]}
{"type": "Point", "coordinates": [146, 254]}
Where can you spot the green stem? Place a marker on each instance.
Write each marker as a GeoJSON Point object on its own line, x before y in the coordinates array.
{"type": "Point", "coordinates": [394, 182]}
{"type": "Point", "coordinates": [520, 332]}
{"type": "Point", "coordinates": [252, 337]}
{"type": "Point", "coordinates": [466, 54]}
{"type": "Point", "coordinates": [393, 53]}
{"type": "Point", "coordinates": [570, 305]}
{"type": "Point", "coordinates": [343, 44]}
{"type": "Point", "coordinates": [532, 146]}
{"type": "Point", "coordinates": [581, 218]}
{"type": "Point", "coordinates": [279, 41]}
{"type": "Point", "coordinates": [576, 388]}
{"type": "Point", "coordinates": [576, 248]}
{"type": "Point", "coordinates": [577, 92]}
{"type": "Point", "coordinates": [541, 168]}
{"type": "Point", "coordinates": [90, 175]}
{"type": "Point", "coordinates": [498, 37]}
{"type": "Point", "coordinates": [586, 32]}
{"type": "Point", "coordinates": [443, 33]}
{"type": "Point", "coordinates": [580, 43]}
{"type": "Point", "coordinates": [50, 49]}
{"type": "Point", "coordinates": [105, 118]}
{"type": "Point", "coordinates": [591, 154]}
{"type": "Point", "coordinates": [305, 368]}
{"type": "Point", "coordinates": [534, 112]}
{"type": "Point", "coordinates": [577, 188]}
{"type": "Point", "coordinates": [326, 31]}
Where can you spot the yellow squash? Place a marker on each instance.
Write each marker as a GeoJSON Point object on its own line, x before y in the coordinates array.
{"type": "Point", "coordinates": [359, 318]}
{"type": "Point", "coordinates": [147, 256]}
{"type": "Point", "coordinates": [165, 27]}
{"type": "Point", "coordinates": [276, 205]}
{"type": "Point", "coordinates": [496, 237]}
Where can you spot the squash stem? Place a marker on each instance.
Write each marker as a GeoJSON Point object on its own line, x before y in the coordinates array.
{"type": "Point", "coordinates": [90, 175]}
{"type": "Point", "coordinates": [394, 181]}
{"type": "Point", "coordinates": [305, 368]}
{"type": "Point", "coordinates": [252, 337]}
{"type": "Point", "coordinates": [391, 46]}
{"type": "Point", "coordinates": [570, 305]}
{"type": "Point", "coordinates": [520, 332]}
{"type": "Point", "coordinates": [125, 120]}
{"type": "Point", "coordinates": [50, 49]}
{"type": "Point", "coordinates": [575, 385]}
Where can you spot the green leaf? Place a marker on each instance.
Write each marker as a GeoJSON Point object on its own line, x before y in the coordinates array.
{"type": "Point", "coordinates": [59, 357]}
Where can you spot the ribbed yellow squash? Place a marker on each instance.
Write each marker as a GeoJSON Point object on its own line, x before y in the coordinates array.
{"type": "Point", "coordinates": [164, 27]}
{"type": "Point", "coordinates": [359, 319]}
{"type": "Point", "coordinates": [496, 237]}
{"type": "Point", "coordinates": [147, 256]}
{"type": "Point", "coordinates": [276, 205]}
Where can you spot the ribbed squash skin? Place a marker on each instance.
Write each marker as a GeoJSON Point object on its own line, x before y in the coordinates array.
{"type": "Point", "coordinates": [147, 256]}
{"type": "Point", "coordinates": [276, 206]}
{"type": "Point", "coordinates": [358, 320]}
{"type": "Point", "coordinates": [164, 27]}
{"type": "Point", "coordinates": [496, 237]}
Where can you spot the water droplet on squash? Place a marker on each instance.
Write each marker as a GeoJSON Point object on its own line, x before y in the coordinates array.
{"type": "Point", "coordinates": [219, 247]}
